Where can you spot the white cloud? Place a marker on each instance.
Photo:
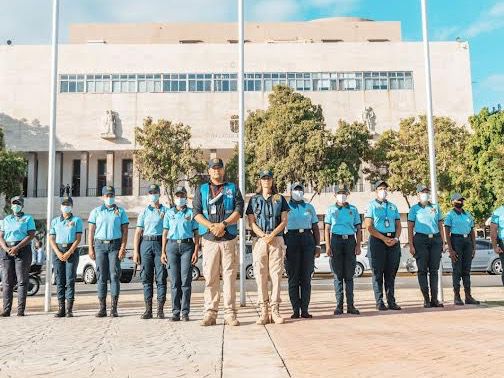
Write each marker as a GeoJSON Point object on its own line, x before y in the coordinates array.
{"type": "Point", "coordinates": [29, 21]}
{"type": "Point", "coordinates": [490, 20]}
{"type": "Point", "coordinates": [445, 33]}
{"type": "Point", "coordinates": [494, 83]}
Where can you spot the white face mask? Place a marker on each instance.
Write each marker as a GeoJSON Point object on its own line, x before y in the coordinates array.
{"type": "Point", "coordinates": [109, 201]}
{"type": "Point", "coordinates": [16, 208]}
{"type": "Point", "coordinates": [424, 197]}
{"type": "Point", "coordinates": [341, 198]}
{"type": "Point", "coordinates": [154, 197]}
{"type": "Point", "coordinates": [180, 201]}
{"type": "Point", "coordinates": [66, 209]}
{"type": "Point", "coordinates": [382, 194]}
{"type": "Point", "coordinates": [297, 195]}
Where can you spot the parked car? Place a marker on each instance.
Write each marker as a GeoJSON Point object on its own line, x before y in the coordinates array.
{"type": "Point", "coordinates": [485, 260]}
{"type": "Point", "coordinates": [86, 270]}
{"type": "Point", "coordinates": [322, 264]}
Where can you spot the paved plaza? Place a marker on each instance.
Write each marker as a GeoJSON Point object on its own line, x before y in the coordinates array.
{"type": "Point", "coordinates": [454, 341]}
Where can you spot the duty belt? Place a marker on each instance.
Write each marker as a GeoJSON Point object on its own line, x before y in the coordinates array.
{"type": "Point", "coordinates": [298, 231]}
{"type": "Point", "coordinates": [388, 234]}
{"type": "Point", "coordinates": [12, 244]}
{"type": "Point", "coordinates": [152, 237]}
{"type": "Point", "coordinates": [465, 236]}
{"type": "Point", "coordinates": [180, 241]}
{"type": "Point", "coordinates": [343, 237]}
{"type": "Point", "coordinates": [64, 245]}
{"type": "Point", "coordinates": [430, 236]}
{"type": "Point", "coordinates": [107, 241]}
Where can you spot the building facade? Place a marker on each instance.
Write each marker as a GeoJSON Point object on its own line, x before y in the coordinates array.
{"type": "Point", "coordinates": [113, 76]}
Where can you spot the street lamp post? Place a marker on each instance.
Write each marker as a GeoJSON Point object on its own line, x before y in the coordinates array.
{"type": "Point", "coordinates": [430, 127]}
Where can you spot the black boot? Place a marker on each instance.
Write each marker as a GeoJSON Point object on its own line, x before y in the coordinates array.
{"type": "Point", "coordinates": [434, 301]}
{"type": "Point", "coordinates": [148, 309]}
{"type": "Point", "coordinates": [113, 312]}
{"type": "Point", "coordinates": [103, 308]}
{"type": "Point", "coordinates": [380, 306]}
{"type": "Point", "coordinates": [339, 307]}
{"type": "Point", "coordinates": [426, 302]}
{"type": "Point", "coordinates": [456, 297]}
{"type": "Point", "coordinates": [468, 297]}
{"type": "Point", "coordinates": [61, 309]}
{"type": "Point", "coordinates": [352, 310]}
{"type": "Point", "coordinates": [21, 309]}
{"type": "Point", "coordinates": [7, 309]}
{"type": "Point", "coordinates": [160, 309]}
{"type": "Point", "coordinates": [69, 309]}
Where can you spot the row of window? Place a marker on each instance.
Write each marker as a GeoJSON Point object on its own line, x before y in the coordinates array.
{"type": "Point", "coordinates": [227, 82]}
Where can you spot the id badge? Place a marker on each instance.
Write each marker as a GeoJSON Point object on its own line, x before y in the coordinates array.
{"type": "Point", "coordinates": [387, 223]}
{"type": "Point", "coordinates": [213, 209]}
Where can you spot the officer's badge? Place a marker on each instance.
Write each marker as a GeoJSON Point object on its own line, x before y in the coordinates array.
{"type": "Point", "coordinates": [188, 218]}
{"type": "Point", "coordinates": [433, 211]}
{"type": "Point", "coordinates": [70, 224]}
{"type": "Point", "coordinates": [276, 197]}
{"type": "Point", "coordinates": [116, 211]}
{"type": "Point", "coordinates": [350, 212]}
{"type": "Point", "coordinates": [229, 193]}
{"type": "Point", "coordinates": [161, 214]}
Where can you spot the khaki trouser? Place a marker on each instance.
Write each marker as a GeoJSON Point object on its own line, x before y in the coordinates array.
{"type": "Point", "coordinates": [268, 262]}
{"type": "Point", "coordinates": [217, 255]}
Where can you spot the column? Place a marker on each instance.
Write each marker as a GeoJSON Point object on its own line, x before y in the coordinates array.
{"type": "Point", "coordinates": [136, 179]}
{"type": "Point", "coordinates": [110, 168]}
{"type": "Point", "coordinates": [32, 174]}
{"type": "Point", "coordinates": [57, 173]}
{"type": "Point", "coordinates": [84, 172]}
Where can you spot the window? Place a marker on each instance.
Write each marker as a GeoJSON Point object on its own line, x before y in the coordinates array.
{"type": "Point", "coordinates": [325, 81]}
{"type": "Point", "coordinates": [174, 83]}
{"type": "Point", "coordinates": [149, 83]}
{"type": "Point", "coordinates": [225, 82]}
{"type": "Point", "coordinates": [76, 176]}
{"type": "Point", "coordinates": [71, 83]}
{"type": "Point", "coordinates": [376, 81]}
{"type": "Point", "coordinates": [273, 79]}
{"type": "Point", "coordinates": [101, 177]}
{"type": "Point", "coordinates": [124, 83]}
{"type": "Point", "coordinates": [127, 177]}
{"type": "Point", "coordinates": [98, 83]}
{"type": "Point", "coordinates": [350, 81]}
{"type": "Point", "coordinates": [253, 82]}
{"type": "Point", "coordinates": [200, 82]}
{"type": "Point", "coordinates": [300, 81]}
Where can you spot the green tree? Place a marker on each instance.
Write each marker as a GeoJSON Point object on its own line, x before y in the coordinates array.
{"type": "Point", "coordinates": [291, 138]}
{"type": "Point", "coordinates": [165, 156]}
{"type": "Point", "coordinates": [479, 174]}
{"type": "Point", "coordinates": [379, 163]}
{"type": "Point", "coordinates": [13, 167]}
{"type": "Point", "coordinates": [408, 155]}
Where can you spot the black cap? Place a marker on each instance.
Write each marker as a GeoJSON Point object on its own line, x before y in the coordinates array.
{"type": "Point", "coordinates": [215, 162]}
{"type": "Point", "coordinates": [108, 190]}
{"type": "Point", "coordinates": [457, 197]}
{"type": "Point", "coordinates": [297, 185]}
{"type": "Point", "coordinates": [379, 183]}
{"type": "Point", "coordinates": [19, 199]}
{"type": "Point", "coordinates": [265, 173]}
{"type": "Point", "coordinates": [342, 188]}
{"type": "Point", "coordinates": [67, 200]}
{"type": "Point", "coordinates": [153, 188]}
{"type": "Point", "coordinates": [180, 189]}
{"type": "Point", "coordinates": [421, 187]}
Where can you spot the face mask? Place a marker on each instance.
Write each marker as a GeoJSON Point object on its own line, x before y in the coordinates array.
{"type": "Point", "coordinates": [459, 205]}
{"type": "Point", "coordinates": [424, 197]}
{"type": "Point", "coordinates": [16, 208]}
{"type": "Point", "coordinates": [341, 198]}
{"type": "Point", "coordinates": [180, 201]}
{"type": "Point", "coordinates": [382, 194]}
{"type": "Point", "coordinates": [154, 197]}
{"type": "Point", "coordinates": [297, 195]}
{"type": "Point", "coordinates": [109, 201]}
{"type": "Point", "coordinates": [66, 209]}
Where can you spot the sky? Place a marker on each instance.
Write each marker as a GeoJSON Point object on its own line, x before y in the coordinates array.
{"type": "Point", "coordinates": [481, 22]}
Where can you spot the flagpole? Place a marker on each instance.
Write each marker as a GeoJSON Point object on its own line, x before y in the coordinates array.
{"type": "Point", "coordinates": [52, 151]}
{"type": "Point", "coordinates": [430, 128]}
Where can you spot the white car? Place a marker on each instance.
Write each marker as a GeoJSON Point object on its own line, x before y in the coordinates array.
{"type": "Point", "coordinates": [322, 264]}
{"type": "Point", "coordinates": [86, 270]}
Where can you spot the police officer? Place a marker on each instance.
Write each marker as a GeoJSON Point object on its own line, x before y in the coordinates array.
{"type": "Point", "coordinates": [461, 240]}
{"type": "Point", "coordinates": [108, 235]}
{"type": "Point", "coordinates": [497, 234]}
{"type": "Point", "coordinates": [64, 238]}
{"type": "Point", "coordinates": [343, 238]}
{"type": "Point", "coordinates": [425, 220]}
{"type": "Point", "coordinates": [16, 234]}
{"type": "Point", "coordinates": [267, 215]}
{"type": "Point", "coordinates": [147, 251]}
{"type": "Point", "coordinates": [217, 207]}
{"type": "Point", "coordinates": [180, 252]}
{"type": "Point", "coordinates": [303, 245]}
{"type": "Point", "coordinates": [383, 223]}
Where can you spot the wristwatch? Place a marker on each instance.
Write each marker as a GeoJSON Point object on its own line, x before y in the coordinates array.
{"type": "Point", "coordinates": [318, 246]}
{"type": "Point", "coordinates": [225, 223]}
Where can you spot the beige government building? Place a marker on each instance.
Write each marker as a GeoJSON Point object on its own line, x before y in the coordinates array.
{"type": "Point", "coordinates": [112, 76]}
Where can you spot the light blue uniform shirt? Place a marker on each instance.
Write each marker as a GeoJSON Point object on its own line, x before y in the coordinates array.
{"type": "Point", "coordinates": [460, 223]}
{"type": "Point", "coordinates": [301, 216]}
{"type": "Point", "coordinates": [425, 218]}
{"type": "Point", "coordinates": [151, 220]}
{"type": "Point", "coordinates": [108, 221]}
{"type": "Point", "coordinates": [498, 219]}
{"type": "Point", "coordinates": [66, 230]}
{"type": "Point", "coordinates": [384, 215]}
{"type": "Point", "coordinates": [180, 224]}
{"type": "Point", "coordinates": [16, 228]}
{"type": "Point", "coordinates": [343, 220]}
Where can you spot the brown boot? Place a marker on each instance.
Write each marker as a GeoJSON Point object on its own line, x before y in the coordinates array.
{"type": "Point", "coordinates": [264, 315]}
{"type": "Point", "coordinates": [275, 315]}
{"type": "Point", "coordinates": [208, 319]}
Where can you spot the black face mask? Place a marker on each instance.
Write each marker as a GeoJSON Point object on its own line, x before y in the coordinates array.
{"type": "Point", "coordinates": [459, 205]}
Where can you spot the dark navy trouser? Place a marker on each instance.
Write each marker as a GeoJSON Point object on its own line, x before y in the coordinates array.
{"type": "Point", "coordinates": [384, 266]}
{"type": "Point", "coordinates": [180, 268]}
{"type": "Point", "coordinates": [150, 251]}
{"type": "Point", "coordinates": [108, 267]}
{"type": "Point", "coordinates": [65, 273]}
